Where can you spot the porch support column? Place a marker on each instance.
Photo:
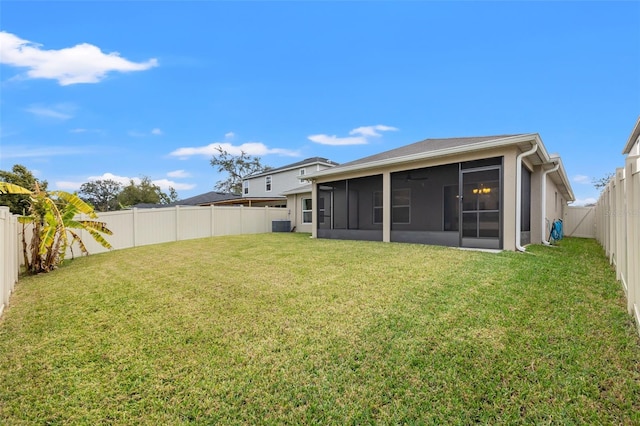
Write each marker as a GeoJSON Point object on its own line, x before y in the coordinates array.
{"type": "Point", "coordinates": [386, 207]}
{"type": "Point", "coordinates": [314, 209]}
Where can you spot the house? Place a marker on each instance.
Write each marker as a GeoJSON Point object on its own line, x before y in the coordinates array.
{"type": "Point", "coordinates": [276, 184]}
{"type": "Point", "coordinates": [496, 192]}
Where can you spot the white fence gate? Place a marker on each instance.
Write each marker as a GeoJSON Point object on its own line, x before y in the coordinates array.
{"type": "Point", "coordinates": [580, 222]}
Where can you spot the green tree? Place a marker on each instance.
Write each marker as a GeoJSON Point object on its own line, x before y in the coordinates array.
{"type": "Point", "coordinates": [237, 167]}
{"type": "Point", "coordinates": [23, 177]}
{"type": "Point", "coordinates": [102, 194]}
{"type": "Point", "coordinates": [145, 192]}
{"type": "Point", "coordinates": [53, 218]}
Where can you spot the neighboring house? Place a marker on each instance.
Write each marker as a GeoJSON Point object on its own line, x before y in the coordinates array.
{"type": "Point", "coordinates": [278, 185]}
{"type": "Point", "coordinates": [498, 192]}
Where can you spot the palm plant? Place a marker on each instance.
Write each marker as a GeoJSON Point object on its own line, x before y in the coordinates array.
{"type": "Point", "coordinates": [52, 214]}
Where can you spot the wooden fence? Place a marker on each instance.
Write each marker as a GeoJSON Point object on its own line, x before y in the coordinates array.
{"type": "Point", "coordinates": [9, 255]}
{"type": "Point", "coordinates": [618, 229]}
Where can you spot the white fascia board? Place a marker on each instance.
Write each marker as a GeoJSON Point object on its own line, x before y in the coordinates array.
{"type": "Point", "coordinates": [633, 137]}
{"type": "Point", "coordinates": [565, 180]}
{"type": "Point", "coordinates": [494, 143]}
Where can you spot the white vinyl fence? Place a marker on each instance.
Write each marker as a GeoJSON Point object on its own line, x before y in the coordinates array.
{"type": "Point", "coordinates": [139, 227]}
{"type": "Point", "coordinates": [9, 255]}
{"type": "Point", "coordinates": [618, 229]}
{"type": "Point", "coordinates": [580, 222]}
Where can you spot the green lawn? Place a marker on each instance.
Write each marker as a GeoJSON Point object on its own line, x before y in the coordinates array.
{"type": "Point", "coordinates": [280, 328]}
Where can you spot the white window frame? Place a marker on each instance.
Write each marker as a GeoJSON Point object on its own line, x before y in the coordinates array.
{"type": "Point", "coordinates": [245, 187]}
{"type": "Point", "coordinates": [268, 183]}
{"type": "Point", "coordinates": [401, 206]}
{"type": "Point", "coordinates": [377, 208]}
{"type": "Point", "coordinates": [309, 210]}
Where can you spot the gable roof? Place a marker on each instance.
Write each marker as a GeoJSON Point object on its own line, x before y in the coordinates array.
{"type": "Point", "coordinates": [426, 146]}
{"type": "Point", "coordinates": [305, 162]}
{"type": "Point", "coordinates": [434, 148]}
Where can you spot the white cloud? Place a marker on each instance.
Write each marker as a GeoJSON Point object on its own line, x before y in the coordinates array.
{"type": "Point", "coordinates": [359, 136]}
{"type": "Point", "coordinates": [251, 148]}
{"type": "Point", "coordinates": [110, 176]}
{"type": "Point", "coordinates": [60, 111]}
{"type": "Point", "coordinates": [82, 63]}
{"type": "Point", "coordinates": [584, 201]}
{"type": "Point", "coordinates": [164, 184]}
{"type": "Point", "coordinates": [582, 179]}
{"type": "Point", "coordinates": [229, 135]}
{"type": "Point", "coordinates": [179, 174]}
{"type": "Point", "coordinates": [82, 130]}
{"type": "Point", "coordinates": [336, 141]}
{"type": "Point", "coordinates": [20, 151]}
{"type": "Point", "coordinates": [372, 130]}
{"type": "Point", "coordinates": [66, 185]}
{"type": "Point", "coordinates": [137, 134]}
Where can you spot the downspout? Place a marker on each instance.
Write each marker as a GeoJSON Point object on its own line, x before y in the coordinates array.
{"type": "Point", "coordinates": [519, 158]}
{"type": "Point", "coordinates": [544, 202]}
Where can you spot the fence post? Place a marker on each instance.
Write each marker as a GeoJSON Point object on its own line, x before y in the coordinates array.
{"type": "Point", "coordinates": [620, 228]}
{"type": "Point", "coordinates": [633, 230]}
{"type": "Point", "coordinates": [177, 223]}
{"type": "Point", "coordinates": [4, 285]}
{"type": "Point", "coordinates": [241, 219]}
{"type": "Point", "coordinates": [134, 218]}
{"type": "Point", "coordinates": [212, 220]}
{"type": "Point", "coordinates": [612, 222]}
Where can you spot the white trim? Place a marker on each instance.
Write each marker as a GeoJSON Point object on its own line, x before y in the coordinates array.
{"type": "Point", "coordinates": [519, 158]}
{"type": "Point", "coordinates": [544, 203]}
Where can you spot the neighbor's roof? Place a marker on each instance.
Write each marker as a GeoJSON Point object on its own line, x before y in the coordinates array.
{"type": "Point", "coordinates": [206, 198]}
{"type": "Point", "coordinates": [635, 134]}
{"type": "Point", "coordinates": [198, 200]}
{"type": "Point", "coordinates": [305, 162]}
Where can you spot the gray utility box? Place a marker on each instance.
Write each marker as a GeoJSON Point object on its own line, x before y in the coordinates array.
{"type": "Point", "coordinates": [280, 226]}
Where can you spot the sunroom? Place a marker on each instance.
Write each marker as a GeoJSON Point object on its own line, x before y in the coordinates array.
{"type": "Point", "coordinates": [421, 194]}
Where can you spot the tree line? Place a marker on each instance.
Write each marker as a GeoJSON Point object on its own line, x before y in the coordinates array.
{"type": "Point", "coordinates": [102, 194]}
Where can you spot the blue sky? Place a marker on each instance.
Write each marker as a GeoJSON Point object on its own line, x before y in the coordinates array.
{"type": "Point", "coordinates": [120, 90]}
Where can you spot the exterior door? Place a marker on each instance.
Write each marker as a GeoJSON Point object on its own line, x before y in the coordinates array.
{"type": "Point", "coordinates": [480, 204]}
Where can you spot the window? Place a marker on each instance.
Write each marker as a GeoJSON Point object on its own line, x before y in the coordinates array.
{"type": "Point", "coordinates": [245, 187]}
{"type": "Point", "coordinates": [302, 172]}
{"type": "Point", "coordinates": [307, 207]}
{"type": "Point", "coordinates": [401, 206]}
{"type": "Point", "coordinates": [525, 200]}
{"type": "Point", "coordinates": [267, 181]}
{"type": "Point", "coordinates": [377, 207]}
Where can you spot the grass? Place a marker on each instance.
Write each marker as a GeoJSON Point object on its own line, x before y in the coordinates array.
{"type": "Point", "coordinates": [279, 328]}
